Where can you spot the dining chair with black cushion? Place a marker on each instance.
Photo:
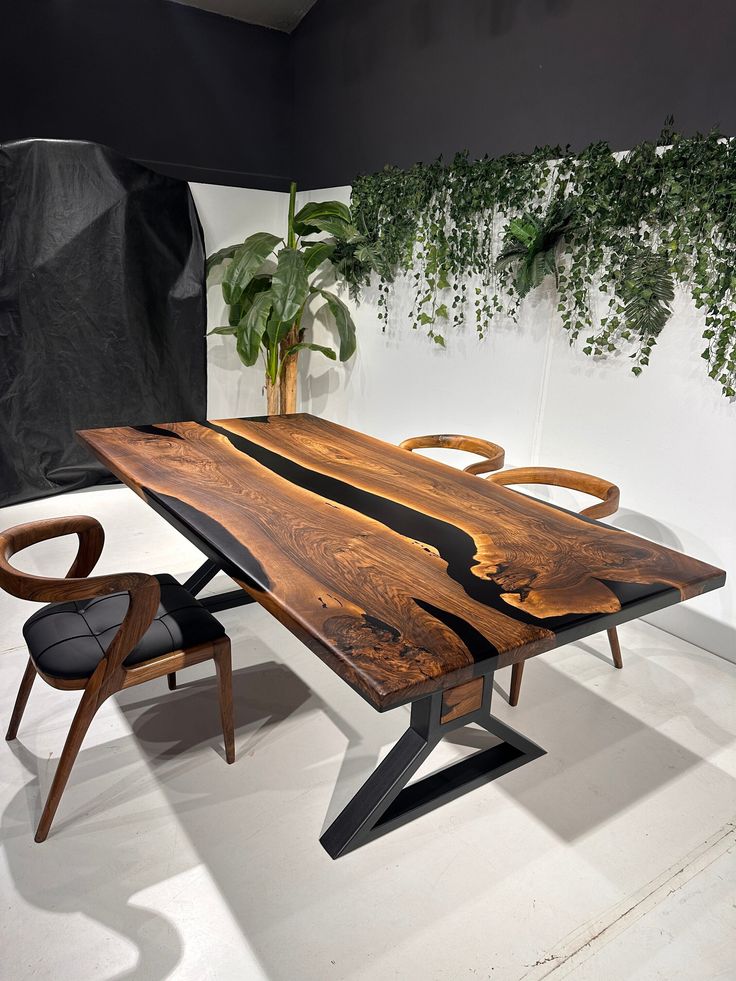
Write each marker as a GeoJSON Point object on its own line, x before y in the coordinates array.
{"type": "Point", "coordinates": [102, 634]}
{"type": "Point", "coordinates": [609, 496]}
{"type": "Point", "coordinates": [491, 453]}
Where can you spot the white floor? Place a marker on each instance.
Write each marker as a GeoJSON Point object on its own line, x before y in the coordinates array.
{"type": "Point", "coordinates": [612, 857]}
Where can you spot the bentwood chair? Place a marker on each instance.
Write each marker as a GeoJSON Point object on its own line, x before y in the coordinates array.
{"type": "Point", "coordinates": [609, 496]}
{"type": "Point", "coordinates": [492, 454]}
{"type": "Point", "coordinates": [106, 633]}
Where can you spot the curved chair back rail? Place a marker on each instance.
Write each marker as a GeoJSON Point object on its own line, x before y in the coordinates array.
{"type": "Point", "coordinates": [23, 584]}
{"type": "Point", "coordinates": [110, 673]}
{"type": "Point", "coordinates": [493, 454]}
{"type": "Point", "coordinates": [586, 483]}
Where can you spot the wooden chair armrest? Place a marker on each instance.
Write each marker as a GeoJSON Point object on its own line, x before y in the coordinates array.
{"type": "Point", "coordinates": [586, 483]}
{"type": "Point", "coordinates": [145, 596]}
{"type": "Point", "coordinates": [493, 454]}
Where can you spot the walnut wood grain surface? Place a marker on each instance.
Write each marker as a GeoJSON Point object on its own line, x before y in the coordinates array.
{"type": "Point", "coordinates": [406, 576]}
{"type": "Point", "coordinates": [462, 700]}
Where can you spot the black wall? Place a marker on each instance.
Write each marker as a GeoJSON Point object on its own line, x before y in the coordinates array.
{"type": "Point", "coordinates": [404, 80]}
{"type": "Point", "coordinates": [205, 97]}
{"type": "Point", "coordinates": [361, 83]}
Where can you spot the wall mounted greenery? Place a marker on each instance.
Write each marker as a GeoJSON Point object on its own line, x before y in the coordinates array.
{"type": "Point", "coordinates": [617, 231]}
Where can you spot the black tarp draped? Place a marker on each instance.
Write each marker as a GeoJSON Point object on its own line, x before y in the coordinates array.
{"type": "Point", "coordinates": [102, 308]}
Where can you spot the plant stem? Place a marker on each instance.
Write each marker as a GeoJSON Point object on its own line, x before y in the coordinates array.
{"type": "Point", "coordinates": [289, 365]}
{"type": "Point", "coordinates": [290, 235]}
{"type": "Point", "coordinates": [272, 397]}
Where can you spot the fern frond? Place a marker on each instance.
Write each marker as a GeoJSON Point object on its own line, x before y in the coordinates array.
{"type": "Point", "coordinates": [647, 292]}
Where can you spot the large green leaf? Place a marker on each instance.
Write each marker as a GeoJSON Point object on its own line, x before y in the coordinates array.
{"type": "Point", "coordinates": [276, 331]}
{"type": "Point", "coordinates": [246, 263]}
{"type": "Point", "coordinates": [304, 223]}
{"type": "Point", "coordinates": [218, 257]}
{"type": "Point", "coordinates": [257, 285]}
{"type": "Point", "coordinates": [327, 351]}
{"type": "Point", "coordinates": [235, 314]}
{"type": "Point", "coordinates": [252, 327]}
{"type": "Point", "coordinates": [290, 286]}
{"type": "Point", "coordinates": [222, 330]}
{"type": "Point", "coordinates": [338, 227]}
{"type": "Point", "coordinates": [315, 254]}
{"type": "Point", "coordinates": [343, 322]}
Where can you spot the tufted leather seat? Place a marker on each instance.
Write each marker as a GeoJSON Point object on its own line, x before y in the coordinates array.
{"type": "Point", "coordinates": [68, 640]}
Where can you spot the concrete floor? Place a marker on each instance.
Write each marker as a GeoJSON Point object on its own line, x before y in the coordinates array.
{"type": "Point", "coordinates": [612, 857]}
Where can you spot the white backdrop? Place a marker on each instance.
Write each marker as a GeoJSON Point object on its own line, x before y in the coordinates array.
{"type": "Point", "coordinates": [668, 438]}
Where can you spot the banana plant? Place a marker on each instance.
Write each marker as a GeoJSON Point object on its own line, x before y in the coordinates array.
{"type": "Point", "coordinates": [268, 283]}
{"type": "Point", "coordinates": [530, 245]}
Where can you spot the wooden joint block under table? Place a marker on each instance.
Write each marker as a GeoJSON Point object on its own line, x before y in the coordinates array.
{"type": "Point", "coordinates": [462, 700]}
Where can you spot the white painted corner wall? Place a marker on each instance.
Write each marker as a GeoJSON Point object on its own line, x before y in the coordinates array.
{"type": "Point", "coordinates": [668, 438]}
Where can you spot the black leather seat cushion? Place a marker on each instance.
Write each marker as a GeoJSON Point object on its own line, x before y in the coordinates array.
{"type": "Point", "coordinates": [68, 640]}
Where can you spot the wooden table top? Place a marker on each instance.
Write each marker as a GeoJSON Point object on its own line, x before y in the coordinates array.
{"type": "Point", "coordinates": [406, 576]}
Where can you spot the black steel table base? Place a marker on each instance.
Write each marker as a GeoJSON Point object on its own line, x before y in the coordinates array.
{"type": "Point", "coordinates": [220, 601]}
{"type": "Point", "coordinates": [385, 802]}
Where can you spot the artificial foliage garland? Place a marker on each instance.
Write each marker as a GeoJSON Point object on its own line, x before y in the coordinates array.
{"type": "Point", "coordinates": [616, 231]}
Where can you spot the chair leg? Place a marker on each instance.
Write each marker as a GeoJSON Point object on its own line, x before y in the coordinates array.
{"type": "Point", "coordinates": [84, 715]}
{"type": "Point", "coordinates": [223, 666]}
{"type": "Point", "coordinates": [21, 700]}
{"type": "Point", "coordinates": [516, 672]}
{"type": "Point", "coordinates": [171, 678]}
{"type": "Point", "coordinates": [615, 647]}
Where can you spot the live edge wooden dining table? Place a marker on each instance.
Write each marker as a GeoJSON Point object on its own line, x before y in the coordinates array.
{"type": "Point", "coordinates": [412, 580]}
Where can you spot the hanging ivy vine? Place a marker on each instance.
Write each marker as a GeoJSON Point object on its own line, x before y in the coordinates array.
{"type": "Point", "coordinates": [616, 232]}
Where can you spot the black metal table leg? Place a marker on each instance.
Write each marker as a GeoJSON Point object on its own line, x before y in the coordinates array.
{"type": "Point", "coordinates": [385, 802]}
{"type": "Point", "coordinates": [220, 601]}
{"type": "Point", "coordinates": [201, 577]}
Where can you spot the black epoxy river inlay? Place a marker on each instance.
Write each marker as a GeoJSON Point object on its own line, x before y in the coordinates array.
{"type": "Point", "coordinates": [454, 545]}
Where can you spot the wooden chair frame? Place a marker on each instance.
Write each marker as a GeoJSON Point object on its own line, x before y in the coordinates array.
{"type": "Point", "coordinates": [493, 454]}
{"type": "Point", "coordinates": [111, 674]}
{"type": "Point", "coordinates": [586, 483]}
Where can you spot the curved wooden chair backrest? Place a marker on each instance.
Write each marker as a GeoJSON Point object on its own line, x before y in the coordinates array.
{"type": "Point", "coordinates": [143, 589]}
{"type": "Point", "coordinates": [492, 453]}
{"type": "Point", "coordinates": [25, 585]}
{"type": "Point", "coordinates": [586, 483]}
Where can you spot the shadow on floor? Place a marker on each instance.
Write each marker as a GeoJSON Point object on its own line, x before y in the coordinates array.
{"type": "Point", "coordinates": [254, 825]}
{"type": "Point", "coordinates": [582, 781]}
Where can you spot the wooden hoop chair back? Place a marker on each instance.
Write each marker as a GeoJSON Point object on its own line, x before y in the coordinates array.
{"type": "Point", "coordinates": [492, 453]}
{"type": "Point", "coordinates": [586, 483]}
